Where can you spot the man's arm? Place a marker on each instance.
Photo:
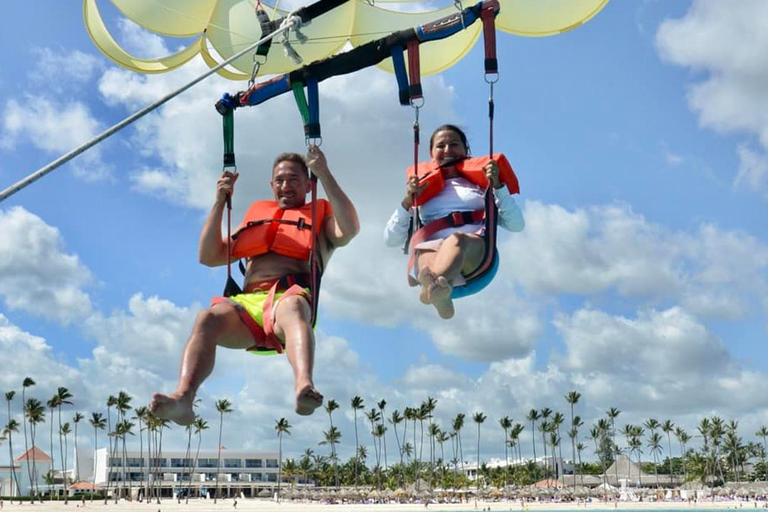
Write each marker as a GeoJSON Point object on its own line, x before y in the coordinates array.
{"type": "Point", "coordinates": [343, 225]}
{"type": "Point", "coordinates": [212, 250]}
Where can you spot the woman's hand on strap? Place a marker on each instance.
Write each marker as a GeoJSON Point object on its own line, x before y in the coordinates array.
{"type": "Point", "coordinates": [492, 173]}
{"type": "Point", "coordinates": [412, 191]}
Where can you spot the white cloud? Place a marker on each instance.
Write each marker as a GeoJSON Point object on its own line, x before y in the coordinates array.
{"type": "Point", "coordinates": [730, 95]}
{"type": "Point", "coordinates": [38, 277]}
{"type": "Point", "coordinates": [139, 42]}
{"type": "Point", "coordinates": [56, 128]}
{"type": "Point", "coordinates": [60, 72]}
{"type": "Point", "coordinates": [152, 330]}
{"type": "Point", "coordinates": [667, 361]}
{"type": "Point", "coordinates": [611, 249]}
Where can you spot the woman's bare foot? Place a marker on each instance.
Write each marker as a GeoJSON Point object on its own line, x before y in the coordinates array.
{"type": "Point", "coordinates": [174, 407]}
{"type": "Point", "coordinates": [426, 280]}
{"type": "Point", "coordinates": [307, 400]}
{"type": "Point", "coordinates": [440, 296]}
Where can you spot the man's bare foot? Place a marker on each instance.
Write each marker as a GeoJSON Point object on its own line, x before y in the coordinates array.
{"type": "Point", "coordinates": [440, 295]}
{"type": "Point", "coordinates": [426, 280]}
{"type": "Point", "coordinates": [172, 407]}
{"type": "Point", "coordinates": [307, 400]}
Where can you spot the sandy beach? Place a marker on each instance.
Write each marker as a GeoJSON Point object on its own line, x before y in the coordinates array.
{"type": "Point", "coordinates": [261, 505]}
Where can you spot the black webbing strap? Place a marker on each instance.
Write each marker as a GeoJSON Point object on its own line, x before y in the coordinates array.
{"type": "Point", "coordinates": [315, 258]}
{"type": "Point", "coordinates": [228, 123]}
{"type": "Point", "coordinates": [267, 27]}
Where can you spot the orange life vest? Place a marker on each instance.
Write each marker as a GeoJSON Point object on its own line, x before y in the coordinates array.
{"type": "Point", "coordinates": [268, 228]}
{"type": "Point", "coordinates": [471, 168]}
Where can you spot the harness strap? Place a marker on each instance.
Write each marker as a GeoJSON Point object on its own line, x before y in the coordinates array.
{"type": "Point", "coordinates": [398, 63]}
{"type": "Point", "coordinates": [491, 224]}
{"type": "Point", "coordinates": [228, 124]}
{"type": "Point", "coordinates": [414, 70]}
{"type": "Point", "coordinates": [488, 15]}
{"type": "Point", "coordinates": [453, 220]}
{"type": "Point", "coordinates": [264, 336]}
{"type": "Point", "coordinates": [267, 27]}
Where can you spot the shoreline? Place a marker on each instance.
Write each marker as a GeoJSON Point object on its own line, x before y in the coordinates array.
{"type": "Point", "coordinates": [267, 505]}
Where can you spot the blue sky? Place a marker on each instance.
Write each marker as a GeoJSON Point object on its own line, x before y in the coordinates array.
{"type": "Point", "coordinates": [640, 143]}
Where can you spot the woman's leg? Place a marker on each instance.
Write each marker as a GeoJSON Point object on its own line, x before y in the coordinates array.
{"type": "Point", "coordinates": [460, 253]}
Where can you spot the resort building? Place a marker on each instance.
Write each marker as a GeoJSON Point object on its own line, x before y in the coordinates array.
{"type": "Point", "coordinates": [31, 469]}
{"type": "Point", "coordinates": [176, 473]}
{"type": "Point", "coordinates": [556, 465]}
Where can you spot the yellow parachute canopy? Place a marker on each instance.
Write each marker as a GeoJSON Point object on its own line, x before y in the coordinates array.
{"type": "Point", "coordinates": [224, 27]}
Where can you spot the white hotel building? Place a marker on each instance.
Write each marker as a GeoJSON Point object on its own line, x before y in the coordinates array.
{"type": "Point", "coordinates": [242, 473]}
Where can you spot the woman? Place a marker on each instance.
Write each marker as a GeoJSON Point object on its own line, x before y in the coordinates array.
{"type": "Point", "coordinates": [449, 254]}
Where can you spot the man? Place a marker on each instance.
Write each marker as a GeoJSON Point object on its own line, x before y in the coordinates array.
{"type": "Point", "coordinates": [274, 312]}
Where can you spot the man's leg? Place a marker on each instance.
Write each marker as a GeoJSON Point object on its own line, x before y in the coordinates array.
{"type": "Point", "coordinates": [219, 325]}
{"type": "Point", "coordinates": [292, 327]}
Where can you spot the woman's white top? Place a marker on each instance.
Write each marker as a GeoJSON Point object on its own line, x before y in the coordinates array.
{"type": "Point", "coordinates": [459, 194]}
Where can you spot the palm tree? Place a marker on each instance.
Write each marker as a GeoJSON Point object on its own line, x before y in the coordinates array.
{"type": "Point", "coordinates": [35, 413]}
{"type": "Point", "coordinates": [763, 432]}
{"type": "Point", "coordinates": [704, 428]}
{"type": "Point", "coordinates": [332, 438]}
{"type": "Point", "coordinates": [636, 433]}
{"type": "Point", "coordinates": [52, 404]}
{"type": "Point", "coordinates": [111, 401]}
{"type": "Point", "coordinates": [223, 406]}
{"type": "Point", "coordinates": [11, 427]}
{"type": "Point", "coordinates": [441, 438]}
{"type": "Point", "coordinates": [140, 415]}
{"type": "Point", "coordinates": [382, 404]}
{"type": "Point", "coordinates": [26, 383]}
{"type": "Point", "coordinates": [78, 417]}
{"type": "Point", "coordinates": [395, 420]}
{"type": "Point", "coordinates": [282, 427]}
{"type": "Point", "coordinates": [330, 406]}
{"type": "Point", "coordinates": [374, 416]}
{"type": "Point", "coordinates": [64, 431]}
{"type": "Point", "coordinates": [573, 433]}
{"type": "Point", "coordinates": [654, 443]}
{"type": "Point", "coordinates": [98, 423]}
{"type": "Point", "coordinates": [122, 406]}
{"type": "Point", "coordinates": [357, 405]}
{"type": "Point", "coordinates": [200, 425]}
{"type": "Point", "coordinates": [458, 424]}
{"type": "Point", "coordinates": [683, 438]}
{"type": "Point", "coordinates": [612, 414]}
{"type": "Point", "coordinates": [533, 417]}
{"type": "Point", "coordinates": [63, 397]}
{"type": "Point", "coordinates": [506, 424]}
{"type": "Point", "coordinates": [667, 427]}
{"type": "Point", "coordinates": [378, 434]}
{"type": "Point", "coordinates": [478, 418]}
{"type": "Point", "coordinates": [598, 433]}
{"type": "Point", "coordinates": [557, 420]}
{"type": "Point", "coordinates": [573, 398]}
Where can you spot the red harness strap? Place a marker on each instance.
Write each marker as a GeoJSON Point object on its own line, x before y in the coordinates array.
{"type": "Point", "coordinates": [454, 220]}
{"type": "Point", "coordinates": [264, 335]}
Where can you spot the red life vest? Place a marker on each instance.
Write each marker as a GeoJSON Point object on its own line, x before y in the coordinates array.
{"type": "Point", "coordinates": [471, 168]}
{"type": "Point", "coordinates": [268, 228]}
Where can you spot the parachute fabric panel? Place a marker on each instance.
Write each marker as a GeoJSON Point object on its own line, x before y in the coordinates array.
{"type": "Point", "coordinates": [234, 26]}
{"type": "Point", "coordinates": [540, 18]}
{"type": "Point", "coordinates": [109, 47]}
{"type": "Point", "coordinates": [179, 18]}
{"type": "Point", "coordinates": [229, 25]}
